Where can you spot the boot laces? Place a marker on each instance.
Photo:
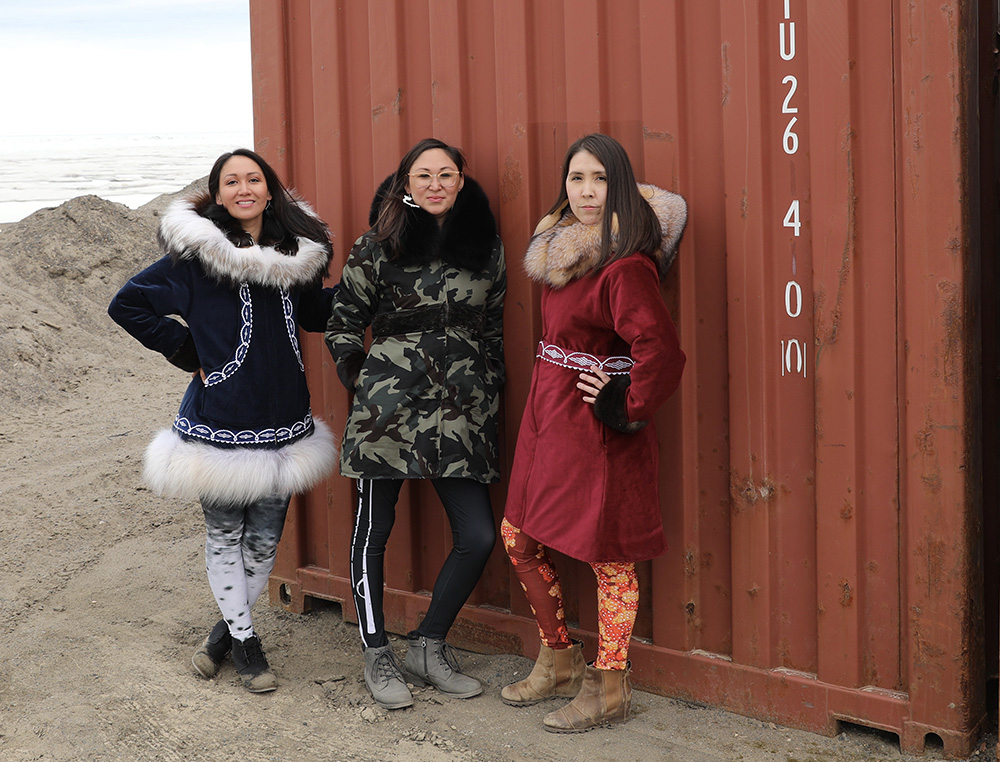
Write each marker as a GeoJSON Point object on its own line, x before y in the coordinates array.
{"type": "Point", "coordinates": [447, 658]}
{"type": "Point", "coordinates": [255, 654]}
{"type": "Point", "coordinates": [387, 668]}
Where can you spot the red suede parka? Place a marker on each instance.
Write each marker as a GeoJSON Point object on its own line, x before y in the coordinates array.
{"type": "Point", "coordinates": [584, 478]}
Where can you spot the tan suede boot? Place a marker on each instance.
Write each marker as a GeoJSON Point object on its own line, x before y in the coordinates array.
{"type": "Point", "coordinates": [557, 672]}
{"type": "Point", "coordinates": [604, 698]}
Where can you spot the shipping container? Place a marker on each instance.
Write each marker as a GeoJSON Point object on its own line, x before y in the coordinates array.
{"type": "Point", "coordinates": [832, 527]}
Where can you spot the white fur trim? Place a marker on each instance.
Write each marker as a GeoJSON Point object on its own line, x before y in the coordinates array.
{"type": "Point", "coordinates": [185, 231]}
{"type": "Point", "coordinates": [182, 468]}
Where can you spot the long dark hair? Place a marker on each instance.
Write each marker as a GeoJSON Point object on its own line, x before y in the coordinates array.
{"type": "Point", "coordinates": [390, 226]}
{"type": "Point", "coordinates": [285, 220]}
{"type": "Point", "coordinates": [638, 227]}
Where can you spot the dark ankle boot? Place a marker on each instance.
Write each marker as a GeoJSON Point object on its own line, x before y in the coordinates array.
{"type": "Point", "coordinates": [213, 650]}
{"type": "Point", "coordinates": [250, 662]}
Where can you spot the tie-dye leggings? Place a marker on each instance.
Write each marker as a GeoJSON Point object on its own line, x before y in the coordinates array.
{"type": "Point", "coordinates": [240, 547]}
{"type": "Point", "coordinates": [617, 597]}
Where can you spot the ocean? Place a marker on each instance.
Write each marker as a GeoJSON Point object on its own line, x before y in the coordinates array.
{"type": "Point", "coordinates": [46, 170]}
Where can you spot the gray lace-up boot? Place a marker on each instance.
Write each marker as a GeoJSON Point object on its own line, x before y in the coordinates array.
{"type": "Point", "coordinates": [434, 662]}
{"type": "Point", "coordinates": [385, 679]}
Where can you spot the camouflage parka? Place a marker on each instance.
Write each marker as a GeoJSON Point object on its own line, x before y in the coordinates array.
{"type": "Point", "coordinates": [427, 391]}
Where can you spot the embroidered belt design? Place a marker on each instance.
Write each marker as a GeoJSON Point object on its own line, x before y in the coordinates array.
{"type": "Point", "coordinates": [246, 436]}
{"type": "Point", "coordinates": [567, 358]}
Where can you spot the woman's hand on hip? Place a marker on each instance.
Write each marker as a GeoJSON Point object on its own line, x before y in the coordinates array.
{"type": "Point", "coordinates": [591, 385]}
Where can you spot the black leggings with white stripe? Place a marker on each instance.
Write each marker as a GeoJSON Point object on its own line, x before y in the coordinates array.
{"type": "Point", "coordinates": [473, 532]}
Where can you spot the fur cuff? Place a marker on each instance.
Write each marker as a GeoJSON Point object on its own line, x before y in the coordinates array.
{"type": "Point", "coordinates": [609, 406]}
{"type": "Point", "coordinates": [186, 356]}
{"type": "Point", "coordinates": [177, 467]}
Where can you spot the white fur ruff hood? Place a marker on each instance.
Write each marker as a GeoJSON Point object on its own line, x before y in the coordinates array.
{"type": "Point", "coordinates": [187, 235]}
{"type": "Point", "coordinates": [563, 249]}
{"type": "Point", "coordinates": [176, 467]}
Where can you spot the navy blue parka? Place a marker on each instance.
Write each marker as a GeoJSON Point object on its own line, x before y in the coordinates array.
{"type": "Point", "coordinates": [244, 429]}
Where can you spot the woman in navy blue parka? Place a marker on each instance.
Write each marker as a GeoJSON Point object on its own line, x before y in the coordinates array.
{"type": "Point", "coordinates": [243, 269]}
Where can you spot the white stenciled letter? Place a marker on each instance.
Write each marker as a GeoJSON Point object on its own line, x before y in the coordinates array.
{"type": "Point", "coordinates": [788, 52]}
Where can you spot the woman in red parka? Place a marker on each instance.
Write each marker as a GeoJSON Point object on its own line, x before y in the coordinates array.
{"type": "Point", "coordinates": [584, 477]}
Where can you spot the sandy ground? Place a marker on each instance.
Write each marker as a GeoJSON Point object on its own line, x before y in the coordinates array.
{"type": "Point", "coordinates": [103, 596]}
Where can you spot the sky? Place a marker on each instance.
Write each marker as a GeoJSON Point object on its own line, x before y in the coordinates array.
{"type": "Point", "coordinates": [109, 67]}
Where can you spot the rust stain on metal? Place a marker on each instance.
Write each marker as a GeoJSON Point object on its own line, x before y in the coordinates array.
{"type": "Point", "coordinates": [954, 330]}
{"type": "Point", "coordinates": [519, 130]}
{"type": "Point", "coordinates": [850, 238]}
{"type": "Point", "coordinates": [924, 439]}
{"type": "Point", "coordinates": [927, 654]}
{"type": "Point", "coordinates": [847, 511]}
{"type": "Point", "coordinates": [727, 72]}
{"type": "Point", "coordinates": [932, 552]}
{"type": "Point", "coordinates": [745, 492]}
{"type": "Point", "coordinates": [744, 203]}
{"type": "Point", "coordinates": [649, 134]}
{"type": "Point", "coordinates": [510, 181]}
{"type": "Point", "coordinates": [846, 593]}
{"type": "Point", "coordinates": [690, 562]}
{"type": "Point", "coordinates": [466, 633]}
{"type": "Point", "coordinates": [397, 102]}
{"type": "Point", "coordinates": [377, 112]}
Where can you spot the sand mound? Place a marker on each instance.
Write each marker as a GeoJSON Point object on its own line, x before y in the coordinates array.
{"type": "Point", "coordinates": [60, 268]}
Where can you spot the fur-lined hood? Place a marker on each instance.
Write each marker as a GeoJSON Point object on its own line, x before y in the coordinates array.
{"type": "Point", "coordinates": [186, 234]}
{"type": "Point", "coordinates": [466, 239]}
{"type": "Point", "coordinates": [563, 249]}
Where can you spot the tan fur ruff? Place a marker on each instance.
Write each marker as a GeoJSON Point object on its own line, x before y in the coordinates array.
{"type": "Point", "coordinates": [564, 249]}
{"type": "Point", "coordinates": [176, 467]}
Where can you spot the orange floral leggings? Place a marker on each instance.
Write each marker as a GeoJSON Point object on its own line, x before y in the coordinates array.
{"type": "Point", "coordinates": [617, 597]}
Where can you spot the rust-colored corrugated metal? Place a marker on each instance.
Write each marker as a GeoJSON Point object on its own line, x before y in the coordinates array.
{"type": "Point", "coordinates": [820, 466]}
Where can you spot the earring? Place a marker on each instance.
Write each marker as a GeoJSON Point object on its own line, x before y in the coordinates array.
{"type": "Point", "coordinates": [408, 200]}
{"type": "Point", "coordinates": [268, 205]}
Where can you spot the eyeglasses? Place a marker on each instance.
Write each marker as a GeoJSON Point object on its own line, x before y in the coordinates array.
{"type": "Point", "coordinates": [448, 179]}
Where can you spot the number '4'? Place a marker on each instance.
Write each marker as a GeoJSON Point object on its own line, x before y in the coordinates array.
{"type": "Point", "coordinates": [792, 217]}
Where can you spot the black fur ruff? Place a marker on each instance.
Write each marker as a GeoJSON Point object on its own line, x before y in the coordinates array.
{"type": "Point", "coordinates": [466, 239]}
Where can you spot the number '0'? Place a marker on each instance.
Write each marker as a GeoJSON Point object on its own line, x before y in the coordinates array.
{"type": "Point", "coordinates": [793, 299]}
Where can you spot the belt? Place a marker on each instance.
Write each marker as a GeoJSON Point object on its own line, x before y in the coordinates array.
{"type": "Point", "coordinates": [435, 317]}
{"type": "Point", "coordinates": [568, 358]}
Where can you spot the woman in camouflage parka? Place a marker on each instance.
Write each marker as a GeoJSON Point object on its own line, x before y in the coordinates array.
{"type": "Point", "coordinates": [429, 279]}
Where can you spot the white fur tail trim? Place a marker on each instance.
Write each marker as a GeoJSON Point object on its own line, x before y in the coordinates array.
{"type": "Point", "coordinates": [177, 467]}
